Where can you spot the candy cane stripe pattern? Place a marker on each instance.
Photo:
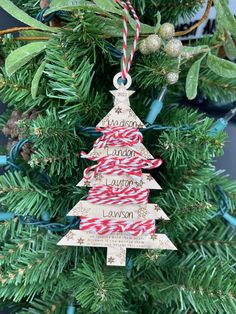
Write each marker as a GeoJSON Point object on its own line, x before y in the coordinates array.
{"type": "Point", "coordinates": [118, 136]}
{"type": "Point", "coordinates": [108, 195]}
{"type": "Point", "coordinates": [119, 166]}
{"type": "Point", "coordinates": [108, 226]}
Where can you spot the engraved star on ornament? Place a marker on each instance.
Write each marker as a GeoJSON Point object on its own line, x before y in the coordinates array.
{"type": "Point", "coordinates": [149, 178]}
{"type": "Point", "coordinates": [111, 260]}
{"type": "Point", "coordinates": [98, 177]}
{"type": "Point", "coordinates": [80, 241]}
{"type": "Point", "coordinates": [87, 183]}
{"type": "Point", "coordinates": [122, 96]}
{"type": "Point", "coordinates": [154, 236]}
{"type": "Point", "coordinates": [80, 207]}
{"type": "Point", "coordinates": [118, 110]}
{"type": "Point", "coordinates": [81, 211]}
{"type": "Point", "coordinates": [84, 211]}
{"type": "Point", "coordinates": [95, 154]}
{"type": "Point", "coordinates": [70, 236]}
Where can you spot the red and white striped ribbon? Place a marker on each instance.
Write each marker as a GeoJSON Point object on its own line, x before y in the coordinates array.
{"type": "Point", "coordinates": [126, 65]}
{"type": "Point", "coordinates": [119, 166]}
{"type": "Point", "coordinates": [109, 195]}
{"type": "Point", "coordinates": [118, 136]}
{"type": "Point", "coordinates": [108, 226]}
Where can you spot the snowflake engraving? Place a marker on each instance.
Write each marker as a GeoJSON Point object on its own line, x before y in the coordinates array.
{"type": "Point", "coordinates": [80, 241]}
{"type": "Point", "coordinates": [118, 110]}
{"type": "Point", "coordinates": [142, 212]}
{"type": "Point", "coordinates": [111, 260]}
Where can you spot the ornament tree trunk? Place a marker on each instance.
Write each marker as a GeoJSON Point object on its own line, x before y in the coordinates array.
{"type": "Point", "coordinates": [55, 80]}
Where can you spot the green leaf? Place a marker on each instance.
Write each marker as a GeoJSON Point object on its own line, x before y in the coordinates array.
{"type": "Point", "coordinates": [225, 16]}
{"type": "Point", "coordinates": [23, 55]}
{"type": "Point", "coordinates": [230, 48]}
{"type": "Point", "coordinates": [145, 29]}
{"type": "Point", "coordinates": [20, 15]}
{"type": "Point", "coordinates": [190, 51]}
{"type": "Point", "coordinates": [36, 79]}
{"type": "Point", "coordinates": [71, 5]}
{"type": "Point", "coordinates": [221, 67]}
{"type": "Point", "coordinates": [192, 79]}
{"type": "Point", "coordinates": [34, 33]}
{"type": "Point", "coordinates": [158, 24]}
{"type": "Point", "coordinates": [56, 3]}
{"type": "Point", "coordinates": [108, 5]}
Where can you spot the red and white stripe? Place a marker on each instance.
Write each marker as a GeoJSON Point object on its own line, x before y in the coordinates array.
{"type": "Point", "coordinates": [118, 136]}
{"type": "Point", "coordinates": [126, 66]}
{"type": "Point", "coordinates": [108, 226]}
{"type": "Point", "coordinates": [119, 166]}
{"type": "Point", "coordinates": [109, 195]}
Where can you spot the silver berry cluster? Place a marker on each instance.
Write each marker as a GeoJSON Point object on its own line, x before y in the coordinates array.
{"type": "Point", "coordinates": [164, 39]}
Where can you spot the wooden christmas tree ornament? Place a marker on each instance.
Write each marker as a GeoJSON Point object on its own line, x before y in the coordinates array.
{"type": "Point", "coordinates": [116, 214]}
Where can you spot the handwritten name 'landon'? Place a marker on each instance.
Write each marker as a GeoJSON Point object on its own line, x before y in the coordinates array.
{"type": "Point", "coordinates": [122, 152]}
{"type": "Point", "coordinates": [118, 214]}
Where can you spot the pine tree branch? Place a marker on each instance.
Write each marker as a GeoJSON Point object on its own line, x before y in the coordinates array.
{"type": "Point", "coordinates": [16, 29]}
{"type": "Point", "coordinates": [19, 194]}
{"type": "Point", "coordinates": [31, 38]}
{"type": "Point", "coordinates": [203, 19]}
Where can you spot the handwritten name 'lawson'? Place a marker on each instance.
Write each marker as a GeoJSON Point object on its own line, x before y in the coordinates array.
{"type": "Point", "coordinates": [118, 214]}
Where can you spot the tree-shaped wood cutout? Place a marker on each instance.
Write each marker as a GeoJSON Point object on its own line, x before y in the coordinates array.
{"type": "Point", "coordinates": [117, 243]}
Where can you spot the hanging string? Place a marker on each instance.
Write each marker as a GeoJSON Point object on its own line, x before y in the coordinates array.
{"type": "Point", "coordinates": [126, 65]}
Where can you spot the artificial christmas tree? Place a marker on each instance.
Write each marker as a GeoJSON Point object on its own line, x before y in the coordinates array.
{"type": "Point", "coordinates": [63, 73]}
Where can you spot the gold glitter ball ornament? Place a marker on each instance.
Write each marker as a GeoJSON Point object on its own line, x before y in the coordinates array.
{"type": "Point", "coordinates": [172, 77]}
{"type": "Point", "coordinates": [143, 48]}
{"type": "Point", "coordinates": [174, 47]}
{"type": "Point", "coordinates": [153, 43]}
{"type": "Point", "coordinates": [167, 31]}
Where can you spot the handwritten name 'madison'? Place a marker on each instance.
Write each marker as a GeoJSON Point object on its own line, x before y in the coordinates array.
{"type": "Point", "coordinates": [125, 123]}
